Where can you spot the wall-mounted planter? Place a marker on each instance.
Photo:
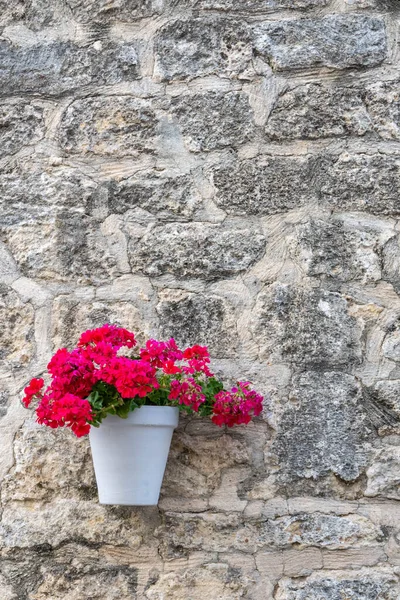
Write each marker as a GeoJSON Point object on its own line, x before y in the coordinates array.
{"type": "Point", "coordinates": [130, 455]}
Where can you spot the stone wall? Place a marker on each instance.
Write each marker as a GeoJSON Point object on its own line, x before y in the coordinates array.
{"type": "Point", "coordinates": [227, 172]}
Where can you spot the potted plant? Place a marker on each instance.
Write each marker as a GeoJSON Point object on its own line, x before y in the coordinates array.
{"type": "Point", "coordinates": [128, 401]}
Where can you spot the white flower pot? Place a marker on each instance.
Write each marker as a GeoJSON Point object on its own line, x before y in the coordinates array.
{"type": "Point", "coordinates": [130, 455]}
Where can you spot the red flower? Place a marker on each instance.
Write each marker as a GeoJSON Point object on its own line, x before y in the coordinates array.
{"type": "Point", "coordinates": [33, 389]}
{"type": "Point", "coordinates": [237, 406]}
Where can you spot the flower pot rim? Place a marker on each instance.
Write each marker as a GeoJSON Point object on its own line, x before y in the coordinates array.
{"type": "Point", "coordinates": [145, 416]}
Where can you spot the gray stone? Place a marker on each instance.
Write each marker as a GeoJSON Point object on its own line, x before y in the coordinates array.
{"type": "Point", "coordinates": [21, 124]}
{"type": "Point", "coordinates": [213, 120]}
{"type": "Point", "coordinates": [110, 126]}
{"type": "Point", "coordinates": [383, 105]}
{"type": "Point", "coordinates": [198, 319]}
{"type": "Point", "coordinates": [337, 250]}
{"type": "Point", "coordinates": [167, 199]}
{"type": "Point", "coordinates": [312, 328]}
{"type": "Point", "coordinates": [315, 111]}
{"type": "Point", "coordinates": [72, 315]}
{"type": "Point", "coordinates": [35, 14]}
{"type": "Point", "coordinates": [47, 228]}
{"type": "Point", "coordinates": [104, 11]}
{"type": "Point", "coordinates": [263, 185]}
{"type": "Point", "coordinates": [361, 183]}
{"type": "Point", "coordinates": [219, 579]}
{"type": "Point", "coordinates": [391, 262]}
{"type": "Point", "coordinates": [364, 585]}
{"type": "Point", "coordinates": [196, 463]}
{"type": "Point", "coordinates": [31, 192]}
{"type": "Point", "coordinates": [69, 572]}
{"type": "Point", "coordinates": [17, 330]}
{"type": "Point", "coordinates": [383, 477]}
{"type": "Point", "coordinates": [40, 472]}
{"type": "Point", "coordinates": [336, 41]}
{"type": "Point", "coordinates": [260, 6]}
{"type": "Point", "coordinates": [59, 67]}
{"type": "Point", "coordinates": [328, 531]}
{"type": "Point", "coordinates": [202, 46]}
{"type": "Point", "coordinates": [196, 250]}
{"type": "Point", "coordinates": [323, 429]}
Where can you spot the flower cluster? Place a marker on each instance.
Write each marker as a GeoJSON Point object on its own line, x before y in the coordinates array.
{"type": "Point", "coordinates": [95, 380]}
{"type": "Point", "coordinates": [237, 406]}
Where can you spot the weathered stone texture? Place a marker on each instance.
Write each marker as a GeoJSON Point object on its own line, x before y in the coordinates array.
{"type": "Point", "coordinates": [219, 252]}
{"type": "Point", "coordinates": [225, 172]}
{"type": "Point", "coordinates": [21, 124]}
{"type": "Point", "coordinates": [198, 319]}
{"type": "Point", "coordinates": [261, 6]}
{"type": "Point", "coordinates": [315, 111]}
{"type": "Point", "coordinates": [263, 186]}
{"type": "Point", "coordinates": [334, 41]}
{"type": "Point", "coordinates": [73, 315]}
{"type": "Point", "coordinates": [202, 46]}
{"type": "Point", "coordinates": [325, 416]}
{"type": "Point", "coordinates": [335, 586]}
{"type": "Point", "coordinates": [17, 330]}
{"type": "Point", "coordinates": [314, 328]}
{"type": "Point", "coordinates": [166, 199]}
{"type": "Point", "coordinates": [104, 11]}
{"type": "Point", "coordinates": [112, 126]}
{"type": "Point", "coordinates": [213, 120]}
{"type": "Point", "coordinates": [35, 14]}
{"type": "Point", "coordinates": [46, 224]}
{"type": "Point", "coordinates": [56, 68]}
{"type": "Point", "coordinates": [361, 183]}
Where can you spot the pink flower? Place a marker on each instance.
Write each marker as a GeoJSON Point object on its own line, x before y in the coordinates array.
{"type": "Point", "coordinates": [237, 406]}
{"type": "Point", "coordinates": [33, 389]}
{"type": "Point", "coordinates": [187, 392]}
{"type": "Point", "coordinates": [114, 335]}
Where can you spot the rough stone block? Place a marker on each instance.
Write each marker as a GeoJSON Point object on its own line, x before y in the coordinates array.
{"type": "Point", "coordinates": [202, 46]}
{"type": "Point", "coordinates": [109, 126]}
{"type": "Point", "coordinates": [198, 319]}
{"type": "Point", "coordinates": [382, 102]}
{"type": "Point", "coordinates": [336, 41]}
{"type": "Point", "coordinates": [196, 250]}
{"type": "Point", "coordinates": [310, 328]}
{"type": "Point", "coordinates": [47, 228]}
{"type": "Point", "coordinates": [384, 474]}
{"type": "Point", "coordinates": [104, 11]}
{"type": "Point", "coordinates": [67, 573]}
{"type": "Point", "coordinates": [260, 6]}
{"type": "Point", "coordinates": [50, 465]}
{"type": "Point", "coordinates": [213, 120]}
{"type": "Point", "coordinates": [164, 199]}
{"type": "Point", "coordinates": [218, 579]}
{"type": "Point", "coordinates": [17, 330]}
{"type": "Point", "coordinates": [72, 315]}
{"type": "Point", "coordinates": [342, 249]}
{"type": "Point", "coordinates": [361, 183]}
{"type": "Point", "coordinates": [59, 67]}
{"type": "Point", "coordinates": [21, 124]}
{"type": "Point", "coordinates": [313, 111]}
{"type": "Point", "coordinates": [35, 14]}
{"type": "Point", "coordinates": [335, 585]}
{"type": "Point", "coordinates": [328, 531]}
{"type": "Point", "coordinates": [263, 186]}
{"type": "Point", "coordinates": [391, 261]}
{"type": "Point", "coordinates": [196, 464]}
{"type": "Point", "coordinates": [327, 420]}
